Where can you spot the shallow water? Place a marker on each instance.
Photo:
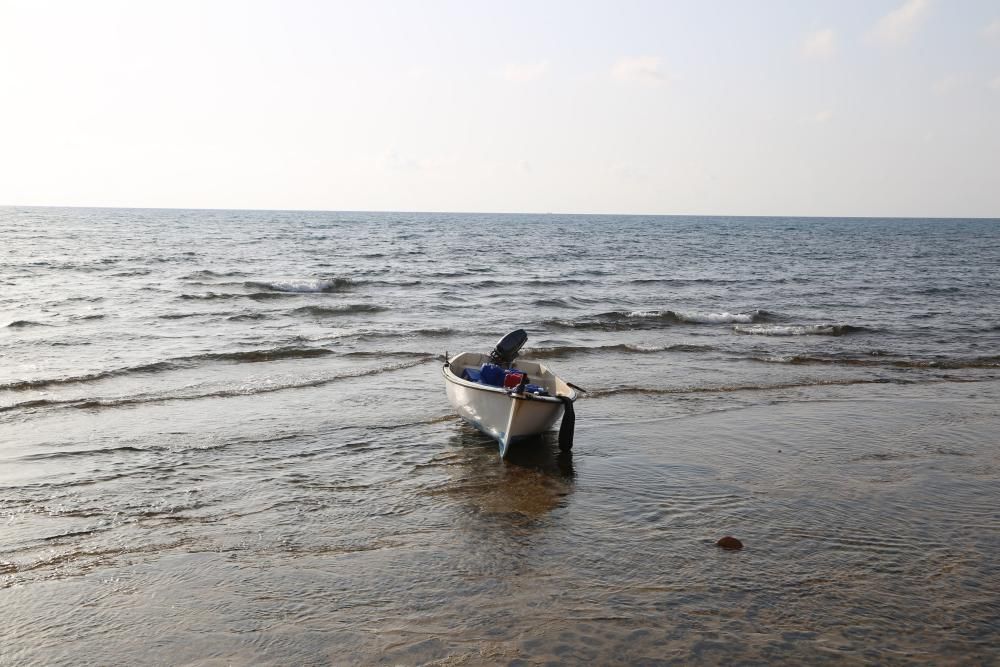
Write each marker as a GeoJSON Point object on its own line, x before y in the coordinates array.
{"type": "Point", "coordinates": [224, 439]}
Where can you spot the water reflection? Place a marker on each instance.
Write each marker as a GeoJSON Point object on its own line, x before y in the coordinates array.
{"type": "Point", "coordinates": [534, 479]}
{"type": "Point", "coordinates": [542, 453]}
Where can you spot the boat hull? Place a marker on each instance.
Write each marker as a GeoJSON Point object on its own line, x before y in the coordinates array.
{"type": "Point", "coordinates": [505, 416]}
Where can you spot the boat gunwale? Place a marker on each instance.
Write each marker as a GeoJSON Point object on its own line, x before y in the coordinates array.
{"type": "Point", "coordinates": [451, 377]}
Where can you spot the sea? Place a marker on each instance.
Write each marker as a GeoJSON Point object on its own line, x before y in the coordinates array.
{"type": "Point", "coordinates": [225, 439]}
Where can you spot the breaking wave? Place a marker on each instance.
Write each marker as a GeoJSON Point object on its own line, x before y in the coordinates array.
{"type": "Point", "coordinates": [639, 319]}
{"type": "Point", "coordinates": [301, 286]}
{"type": "Point", "coordinates": [799, 330]}
{"type": "Point", "coordinates": [720, 318]}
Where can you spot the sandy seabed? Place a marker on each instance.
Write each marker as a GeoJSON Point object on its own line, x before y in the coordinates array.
{"type": "Point", "coordinates": [869, 515]}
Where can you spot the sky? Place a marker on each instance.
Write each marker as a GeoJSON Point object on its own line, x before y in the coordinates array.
{"type": "Point", "coordinates": [770, 107]}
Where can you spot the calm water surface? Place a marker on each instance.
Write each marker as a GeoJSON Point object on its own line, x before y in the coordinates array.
{"type": "Point", "coordinates": [224, 439]}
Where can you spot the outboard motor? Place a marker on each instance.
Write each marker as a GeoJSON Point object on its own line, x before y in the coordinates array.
{"type": "Point", "coordinates": [507, 348]}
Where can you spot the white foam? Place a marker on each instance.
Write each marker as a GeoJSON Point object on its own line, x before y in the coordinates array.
{"type": "Point", "coordinates": [317, 285]}
{"type": "Point", "coordinates": [714, 318]}
{"type": "Point", "coordinates": [788, 330]}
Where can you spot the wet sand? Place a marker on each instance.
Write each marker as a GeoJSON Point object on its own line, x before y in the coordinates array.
{"type": "Point", "coordinates": [868, 513]}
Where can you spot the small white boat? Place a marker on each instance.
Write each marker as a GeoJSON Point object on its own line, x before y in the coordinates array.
{"type": "Point", "coordinates": [533, 399]}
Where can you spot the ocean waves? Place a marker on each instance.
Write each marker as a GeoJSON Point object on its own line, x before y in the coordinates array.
{"type": "Point", "coordinates": [266, 386]}
{"type": "Point", "coordinates": [24, 324]}
{"type": "Point", "coordinates": [313, 311]}
{"type": "Point", "coordinates": [720, 318]}
{"type": "Point", "coordinates": [731, 388]}
{"type": "Point", "coordinates": [260, 289]}
{"type": "Point", "coordinates": [43, 383]}
{"type": "Point", "coordinates": [174, 363]}
{"type": "Point", "coordinates": [857, 359]}
{"type": "Point", "coordinates": [209, 273]}
{"type": "Point", "coordinates": [338, 311]}
{"type": "Point", "coordinates": [958, 363]}
{"type": "Point", "coordinates": [649, 319]}
{"type": "Point", "coordinates": [562, 351]}
{"type": "Point", "coordinates": [704, 302]}
{"type": "Point", "coordinates": [684, 282]}
{"type": "Point", "coordinates": [302, 286]}
{"type": "Point", "coordinates": [755, 322]}
{"type": "Point", "coordinates": [800, 330]}
{"type": "Point", "coordinates": [433, 332]}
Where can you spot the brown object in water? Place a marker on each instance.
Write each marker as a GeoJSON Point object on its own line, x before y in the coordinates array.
{"type": "Point", "coordinates": [729, 542]}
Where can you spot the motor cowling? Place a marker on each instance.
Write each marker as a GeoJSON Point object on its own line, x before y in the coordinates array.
{"type": "Point", "coordinates": [506, 349]}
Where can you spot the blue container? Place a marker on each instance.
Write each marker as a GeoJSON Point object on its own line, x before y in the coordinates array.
{"type": "Point", "coordinates": [538, 390]}
{"type": "Point", "coordinates": [492, 375]}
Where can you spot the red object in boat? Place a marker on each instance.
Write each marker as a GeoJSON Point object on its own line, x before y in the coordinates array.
{"type": "Point", "coordinates": [512, 379]}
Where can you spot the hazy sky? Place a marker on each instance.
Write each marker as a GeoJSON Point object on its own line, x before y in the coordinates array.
{"type": "Point", "coordinates": [839, 107]}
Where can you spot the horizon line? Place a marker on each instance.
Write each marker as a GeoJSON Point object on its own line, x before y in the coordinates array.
{"type": "Point", "coordinates": [539, 213]}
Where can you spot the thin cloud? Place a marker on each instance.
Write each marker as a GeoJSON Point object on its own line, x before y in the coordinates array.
{"type": "Point", "coordinates": [898, 26]}
{"type": "Point", "coordinates": [393, 161]}
{"type": "Point", "coordinates": [992, 31]}
{"type": "Point", "coordinates": [629, 173]}
{"type": "Point", "coordinates": [525, 72]}
{"type": "Point", "coordinates": [641, 69]}
{"type": "Point", "coordinates": [418, 73]}
{"type": "Point", "coordinates": [821, 117]}
{"type": "Point", "coordinates": [995, 83]}
{"type": "Point", "coordinates": [950, 84]}
{"type": "Point", "coordinates": [819, 45]}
